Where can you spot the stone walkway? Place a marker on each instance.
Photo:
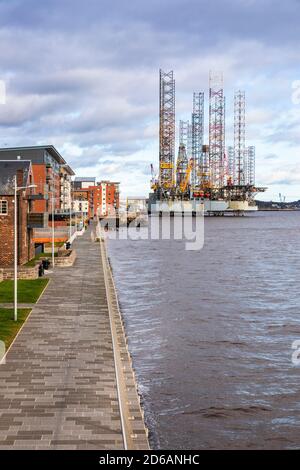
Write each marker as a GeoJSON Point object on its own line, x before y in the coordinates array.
{"type": "Point", "coordinates": [58, 386]}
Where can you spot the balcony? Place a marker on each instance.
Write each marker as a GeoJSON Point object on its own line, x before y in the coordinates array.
{"type": "Point", "coordinates": [37, 220]}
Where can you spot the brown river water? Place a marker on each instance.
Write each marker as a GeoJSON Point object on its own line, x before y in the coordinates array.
{"type": "Point", "coordinates": [211, 332]}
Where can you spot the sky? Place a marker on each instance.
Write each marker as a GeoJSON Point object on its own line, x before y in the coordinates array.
{"type": "Point", "coordinates": [83, 76]}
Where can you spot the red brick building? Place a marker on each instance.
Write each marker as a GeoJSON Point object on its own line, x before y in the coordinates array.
{"type": "Point", "coordinates": [95, 199]}
{"type": "Point", "coordinates": [106, 200]}
{"type": "Point", "coordinates": [51, 174]}
{"type": "Point", "coordinates": [82, 202]}
{"type": "Point", "coordinates": [23, 171]}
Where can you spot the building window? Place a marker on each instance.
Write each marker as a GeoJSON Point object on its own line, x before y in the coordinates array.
{"type": "Point", "coordinates": [3, 207]}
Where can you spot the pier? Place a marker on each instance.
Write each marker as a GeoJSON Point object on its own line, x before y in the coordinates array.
{"type": "Point", "coordinates": [68, 381]}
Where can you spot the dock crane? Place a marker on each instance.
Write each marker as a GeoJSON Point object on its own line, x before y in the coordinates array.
{"type": "Point", "coordinates": [154, 181]}
{"type": "Point", "coordinates": [184, 184]}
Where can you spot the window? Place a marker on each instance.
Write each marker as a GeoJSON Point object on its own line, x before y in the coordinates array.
{"type": "Point", "coordinates": [3, 207]}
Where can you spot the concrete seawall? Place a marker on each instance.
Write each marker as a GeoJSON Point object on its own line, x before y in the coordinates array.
{"type": "Point", "coordinates": [134, 430]}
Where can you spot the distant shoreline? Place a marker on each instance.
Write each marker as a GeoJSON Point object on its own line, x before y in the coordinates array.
{"type": "Point", "coordinates": [278, 210]}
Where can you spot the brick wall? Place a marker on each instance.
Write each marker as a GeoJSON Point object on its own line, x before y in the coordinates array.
{"type": "Point", "coordinates": [25, 237]}
{"type": "Point", "coordinates": [44, 177]}
{"type": "Point", "coordinates": [7, 234]}
{"type": "Point", "coordinates": [23, 272]}
{"type": "Point", "coordinates": [66, 259]}
{"type": "Point", "coordinates": [39, 177]}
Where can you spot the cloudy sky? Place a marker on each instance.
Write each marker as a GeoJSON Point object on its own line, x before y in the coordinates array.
{"type": "Point", "coordinates": [83, 76]}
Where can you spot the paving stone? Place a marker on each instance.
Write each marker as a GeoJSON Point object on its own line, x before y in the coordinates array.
{"type": "Point", "coordinates": [58, 387]}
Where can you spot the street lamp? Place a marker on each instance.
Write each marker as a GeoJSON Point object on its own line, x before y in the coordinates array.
{"type": "Point", "coordinates": [16, 189]}
{"type": "Point", "coordinates": [70, 213]}
{"type": "Point", "coordinates": [52, 222]}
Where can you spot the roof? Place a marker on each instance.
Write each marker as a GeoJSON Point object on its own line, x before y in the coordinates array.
{"type": "Point", "coordinates": [8, 171]}
{"type": "Point", "coordinates": [84, 179]}
{"type": "Point", "coordinates": [49, 148]}
{"type": "Point", "coordinates": [68, 170]}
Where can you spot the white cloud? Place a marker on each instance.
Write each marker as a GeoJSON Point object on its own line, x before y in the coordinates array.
{"type": "Point", "coordinates": [88, 82]}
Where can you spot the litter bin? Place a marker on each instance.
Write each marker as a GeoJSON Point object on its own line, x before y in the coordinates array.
{"type": "Point", "coordinates": [46, 264]}
{"type": "Point", "coordinates": [41, 270]}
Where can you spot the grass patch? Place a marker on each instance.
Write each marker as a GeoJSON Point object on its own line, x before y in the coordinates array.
{"type": "Point", "coordinates": [8, 327]}
{"type": "Point", "coordinates": [28, 290]}
{"type": "Point", "coordinates": [32, 262]}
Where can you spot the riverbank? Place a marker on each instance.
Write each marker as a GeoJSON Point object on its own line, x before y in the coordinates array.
{"type": "Point", "coordinates": [68, 375]}
{"type": "Point", "coordinates": [132, 416]}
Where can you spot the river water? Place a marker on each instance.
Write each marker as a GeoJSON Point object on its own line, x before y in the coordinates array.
{"type": "Point", "coordinates": [211, 332]}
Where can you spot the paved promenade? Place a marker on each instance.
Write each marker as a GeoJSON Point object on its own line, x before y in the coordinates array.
{"type": "Point", "coordinates": [58, 386]}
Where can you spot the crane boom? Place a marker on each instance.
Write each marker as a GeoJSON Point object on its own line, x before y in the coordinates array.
{"type": "Point", "coordinates": [186, 180]}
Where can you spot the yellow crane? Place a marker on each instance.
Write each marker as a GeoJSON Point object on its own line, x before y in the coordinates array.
{"type": "Point", "coordinates": [154, 181]}
{"type": "Point", "coordinates": [185, 182]}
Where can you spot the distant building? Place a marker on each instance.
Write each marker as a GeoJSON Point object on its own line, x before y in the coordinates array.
{"type": "Point", "coordinates": [51, 175]}
{"type": "Point", "coordinates": [97, 199]}
{"type": "Point", "coordinates": [84, 182]}
{"type": "Point", "coordinates": [137, 205]}
{"type": "Point", "coordinates": [109, 198]}
{"type": "Point", "coordinates": [27, 220]}
{"type": "Point", "coordinates": [81, 201]}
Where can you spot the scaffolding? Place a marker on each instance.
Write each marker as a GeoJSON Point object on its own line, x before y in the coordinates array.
{"type": "Point", "coordinates": [183, 132]}
{"type": "Point", "coordinates": [166, 130]}
{"type": "Point", "coordinates": [197, 137]}
{"type": "Point", "coordinates": [231, 165]}
{"type": "Point", "coordinates": [239, 138]}
{"type": "Point", "coordinates": [216, 128]}
{"type": "Point", "coordinates": [189, 149]}
{"type": "Point", "coordinates": [182, 159]}
{"type": "Point", "coordinates": [251, 165]}
{"type": "Point", "coordinates": [182, 166]}
{"type": "Point", "coordinates": [204, 172]}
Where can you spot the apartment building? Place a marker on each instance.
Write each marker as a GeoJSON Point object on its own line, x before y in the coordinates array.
{"type": "Point", "coordinates": [66, 174]}
{"type": "Point", "coordinates": [51, 174]}
{"type": "Point", "coordinates": [83, 182]}
{"type": "Point", "coordinates": [95, 199]}
{"type": "Point", "coordinates": [26, 219]}
{"type": "Point", "coordinates": [109, 198]}
{"type": "Point", "coordinates": [105, 198]}
{"type": "Point", "coordinates": [81, 201]}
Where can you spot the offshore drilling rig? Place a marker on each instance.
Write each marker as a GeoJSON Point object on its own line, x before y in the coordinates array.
{"type": "Point", "coordinates": [221, 179]}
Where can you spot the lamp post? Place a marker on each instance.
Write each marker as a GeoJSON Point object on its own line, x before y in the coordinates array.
{"type": "Point", "coordinates": [16, 189]}
{"type": "Point", "coordinates": [53, 226]}
{"type": "Point", "coordinates": [70, 207]}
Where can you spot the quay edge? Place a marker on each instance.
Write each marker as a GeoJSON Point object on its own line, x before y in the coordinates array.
{"type": "Point", "coordinates": [135, 432]}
